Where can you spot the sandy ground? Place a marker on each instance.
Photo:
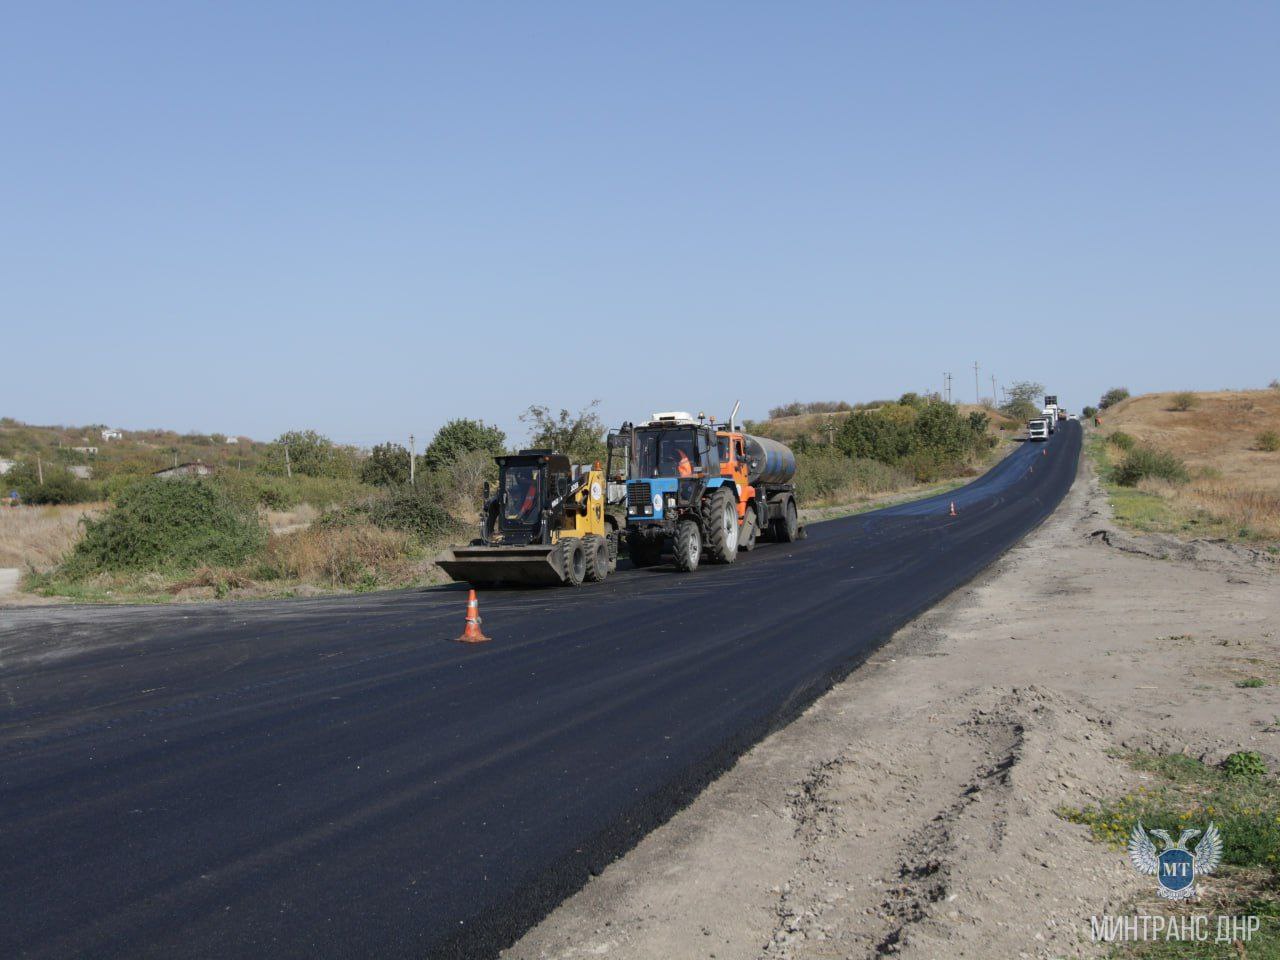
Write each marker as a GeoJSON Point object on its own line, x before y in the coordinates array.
{"type": "Point", "coordinates": [911, 811]}
{"type": "Point", "coordinates": [9, 579]}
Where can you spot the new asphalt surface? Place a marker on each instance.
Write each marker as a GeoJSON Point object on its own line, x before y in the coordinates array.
{"type": "Point", "coordinates": [336, 778]}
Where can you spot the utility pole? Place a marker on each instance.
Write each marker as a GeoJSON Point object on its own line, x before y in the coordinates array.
{"type": "Point", "coordinates": [288, 467]}
{"type": "Point", "coordinates": [993, 388]}
{"type": "Point", "coordinates": [977, 391]}
{"type": "Point", "coordinates": [40, 469]}
{"type": "Point", "coordinates": [412, 457]}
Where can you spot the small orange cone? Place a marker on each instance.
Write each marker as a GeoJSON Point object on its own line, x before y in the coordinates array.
{"type": "Point", "coordinates": [472, 632]}
{"type": "Point", "coordinates": [953, 509]}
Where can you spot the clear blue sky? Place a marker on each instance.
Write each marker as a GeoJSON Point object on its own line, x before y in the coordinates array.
{"type": "Point", "coordinates": [370, 218]}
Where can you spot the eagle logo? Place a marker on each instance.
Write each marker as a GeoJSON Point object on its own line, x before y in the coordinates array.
{"type": "Point", "coordinates": [1176, 868]}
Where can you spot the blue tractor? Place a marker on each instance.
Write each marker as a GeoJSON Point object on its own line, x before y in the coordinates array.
{"type": "Point", "coordinates": [697, 490]}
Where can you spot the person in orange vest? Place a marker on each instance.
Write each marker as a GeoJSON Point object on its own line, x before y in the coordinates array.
{"type": "Point", "coordinates": [684, 467]}
{"type": "Point", "coordinates": [530, 498]}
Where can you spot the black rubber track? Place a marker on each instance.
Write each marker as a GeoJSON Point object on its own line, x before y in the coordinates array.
{"type": "Point", "coordinates": [335, 778]}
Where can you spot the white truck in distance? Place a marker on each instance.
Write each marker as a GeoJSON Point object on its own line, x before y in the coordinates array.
{"type": "Point", "coordinates": [1038, 429]}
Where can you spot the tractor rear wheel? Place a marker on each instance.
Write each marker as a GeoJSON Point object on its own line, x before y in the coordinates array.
{"type": "Point", "coordinates": [597, 551]}
{"type": "Point", "coordinates": [721, 522]}
{"type": "Point", "coordinates": [644, 551]}
{"type": "Point", "coordinates": [688, 546]}
{"type": "Point", "coordinates": [573, 561]}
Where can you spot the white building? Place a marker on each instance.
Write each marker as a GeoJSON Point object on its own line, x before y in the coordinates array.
{"type": "Point", "coordinates": [108, 434]}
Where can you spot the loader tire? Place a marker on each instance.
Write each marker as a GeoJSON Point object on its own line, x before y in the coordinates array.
{"type": "Point", "coordinates": [688, 546]}
{"type": "Point", "coordinates": [787, 528]}
{"type": "Point", "coordinates": [573, 561]}
{"type": "Point", "coordinates": [721, 522]}
{"type": "Point", "coordinates": [611, 541]}
{"type": "Point", "coordinates": [597, 555]}
{"type": "Point", "coordinates": [644, 552]}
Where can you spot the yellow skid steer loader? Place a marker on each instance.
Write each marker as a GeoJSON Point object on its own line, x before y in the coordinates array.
{"type": "Point", "coordinates": [543, 525]}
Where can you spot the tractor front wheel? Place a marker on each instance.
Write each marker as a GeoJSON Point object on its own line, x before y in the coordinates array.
{"type": "Point", "coordinates": [688, 546]}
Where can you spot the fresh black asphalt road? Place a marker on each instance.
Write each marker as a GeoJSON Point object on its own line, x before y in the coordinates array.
{"type": "Point", "coordinates": [336, 778]}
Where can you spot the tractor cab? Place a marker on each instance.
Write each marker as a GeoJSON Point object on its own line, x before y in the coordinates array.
{"type": "Point", "coordinates": [671, 458]}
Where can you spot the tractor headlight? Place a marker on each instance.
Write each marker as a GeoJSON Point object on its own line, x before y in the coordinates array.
{"type": "Point", "coordinates": [671, 501]}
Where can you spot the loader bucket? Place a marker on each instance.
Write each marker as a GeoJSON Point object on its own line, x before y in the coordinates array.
{"type": "Point", "coordinates": [533, 565]}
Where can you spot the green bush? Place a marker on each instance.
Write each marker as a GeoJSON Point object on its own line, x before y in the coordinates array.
{"type": "Point", "coordinates": [464, 436]}
{"type": "Point", "coordinates": [1183, 401]}
{"type": "Point", "coordinates": [167, 525]}
{"type": "Point", "coordinates": [413, 510]}
{"type": "Point", "coordinates": [1143, 462]}
{"type": "Point", "coordinates": [1122, 440]}
{"type": "Point", "coordinates": [60, 484]}
{"type": "Point", "coordinates": [1246, 764]}
{"type": "Point", "coordinates": [1268, 441]}
{"type": "Point", "coordinates": [1112, 397]}
{"type": "Point", "coordinates": [1089, 412]}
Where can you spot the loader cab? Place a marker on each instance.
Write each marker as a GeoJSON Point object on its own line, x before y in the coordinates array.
{"type": "Point", "coordinates": [527, 483]}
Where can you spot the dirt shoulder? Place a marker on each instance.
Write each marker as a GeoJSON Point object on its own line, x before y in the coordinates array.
{"type": "Point", "coordinates": [912, 810]}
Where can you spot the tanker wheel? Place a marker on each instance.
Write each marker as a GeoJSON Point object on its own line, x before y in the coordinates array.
{"type": "Point", "coordinates": [573, 561]}
{"type": "Point", "coordinates": [721, 521]}
{"type": "Point", "coordinates": [643, 551]}
{"type": "Point", "coordinates": [787, 529]}
{"type": "Point", "coordinates": [688, 546]}
{"type": "Point", "coordinates": [597, 555]}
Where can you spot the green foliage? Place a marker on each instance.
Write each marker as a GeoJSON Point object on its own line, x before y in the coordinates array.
{"type": "Point", "coordinates": [1189, 794]}
{"type": "Point", "coordinates": [1024, 400]}
{"type": "Point", "coordinates": [386, 466]}
{"type": "Point", "coordinates": [913, 400]}
{"type": "Point", "coordinates": [825, 474]}
{"type": "Point", "coordinates": [1268, 441]}
{"type": "Point", "coordinates": [1112, 397]}
{"type": "Point", "coordinates": [579, 436]}
{"type": "Point", "coordinates": [1247, 764]}
{"type": "Point", "coordinates": [796, 408]}
{"type": "Point", "coordinates": [1122, 440]}
{"type": "Point", "coordinates": [413, 510]}
{"type": "Point", "coordinates": [308, 454]}
{"type": "Point", "coordinates": [1183, 401]}
{"type": "Point", "coordinates": [1089, 412]}
{"type": "Point", "coordinates": [167, 525]}
{"type": "Point", "coordinates": [1251, 682]}
{"type": "Point", "coordinates": [1020, 410]}
{"type": "Point", "coordinates": [462, 436]}
{"type": "Point", "coordinates": [285, 493]}
{"type": "Point", "coordinates": [60, 484]}
{"type": "Point", "coordinates": [978, 422]}
{"type": "Point", "coordinates": [1143, 462]}
{"type": "Point", "coordinates": [874, 436]}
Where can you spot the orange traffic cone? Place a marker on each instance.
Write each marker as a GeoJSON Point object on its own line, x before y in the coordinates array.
{"type": "Point", "coordinates": [953, 509]}
{"type": "Point", "coordinates": [472, 632]}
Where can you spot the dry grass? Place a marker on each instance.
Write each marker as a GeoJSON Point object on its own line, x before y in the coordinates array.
{"type": "Point", "coordinates": [824, 426]}
{"type": "Point", "coordinates": [286, 521]}
{"type": "Point", "coordinates": [348, 556]}
{"type": "Point", "coordinates": [37, 537]}
{"type": "Point", "coordinates": [1233, 480]}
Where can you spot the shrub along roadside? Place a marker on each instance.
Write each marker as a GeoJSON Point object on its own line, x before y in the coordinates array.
{"type": "Point", "coordinates": [1242, 800]}
{"type": "Point", "coordinates": [1144, 462]}
{"type": "Point", "coordinates": [167, 525]}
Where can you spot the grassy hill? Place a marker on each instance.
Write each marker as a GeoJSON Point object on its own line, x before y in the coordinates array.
{"type": "Point", "coordinates": [1232, 485]}
{"type": "Point", "coordinates": [821, 427]}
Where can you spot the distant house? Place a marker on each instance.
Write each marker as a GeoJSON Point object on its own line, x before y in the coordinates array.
{"type": "Point", "coordinates": [91, 451]}
{"type": "Point", "coordinates": [6, 466]}
{"type": "Point", "coordinates": [80, 472]}
{"type": "Point", "coordinates": [193, 469]}
{"type": "Point", "coordinates": [231, 439]}
{"type": "Point", "coordinates": [112, 434]}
